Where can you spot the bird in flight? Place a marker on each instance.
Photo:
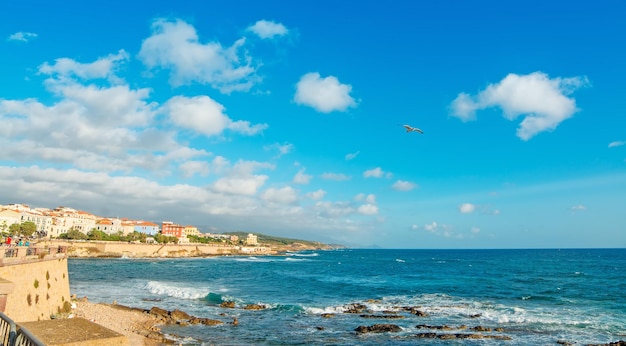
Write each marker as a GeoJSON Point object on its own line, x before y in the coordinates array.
{"type": "Point", "coordinates": [410, 128]}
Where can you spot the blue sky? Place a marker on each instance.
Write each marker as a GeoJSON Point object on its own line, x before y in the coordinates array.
{"type": "Point", "coordinates": [284, 118]}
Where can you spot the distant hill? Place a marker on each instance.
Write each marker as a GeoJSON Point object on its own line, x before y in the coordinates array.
{"type": "Point", "coordinates": [285, 242]}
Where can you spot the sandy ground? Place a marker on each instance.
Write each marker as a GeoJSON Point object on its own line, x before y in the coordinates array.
{"type": "Point", "coordinates": [130, 322]}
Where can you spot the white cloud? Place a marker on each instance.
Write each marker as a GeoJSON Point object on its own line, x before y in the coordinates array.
{"type": "Point", "coordinates": [475, 230]}
{"type": "Point", "coordinates": [246, 185]}
{"type": "Point", "coordinates": [204, 115]}
{"type": "Point", "coordinates": [302, 178]}
{"type": "Point", "coordinates": [368, 209]}
{"type": "Point", "coordinates": [353, 155]}
{"type": "Point", "coordinates": [241, 180]}
{"type": "Point", "coordinates": [323, 94]}
{"type": "Point", "coordinates": [22, 36]}
{"type": "Point", "coordinates": [191, 168]}
{"type": "Point", "coordinates": [101, 68]}
{"type": "Point", "coordinates": [370, 198]}
{"type": "Point", "coordinates": [577, 208]}
{"type": "Point", "coordinates": [438, 229]}
{"type": "Point", "coordinates": [333, 210]}
{"type": "Point", "coordinates": [268, 29]}
{"type": "Point", "coordinates": [376, 173]}
{"type": "Point", "coordinates": [285, 195]}
{"type": "Point", "coordinates": [543, 102]}
{"type": "Point", "coordinates": [467, 208]}
{"type": "Point", "coordinates": [616, 144]}
{"type": "Point", "coordinates": [316, 195]}
{"type": "Point", "coordinates": [282, 149]}
{"type": "Point", "coordinates": [174, 45]}
{"type": "Point", "coordinates": [402, 185]}
{"type": "Point", "coordinates": [335, 176]}
{"type": "Point", "coordinates": [431, 227]}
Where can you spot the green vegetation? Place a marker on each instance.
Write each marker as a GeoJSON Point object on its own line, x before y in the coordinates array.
{"type": "Point", "coordinates": [25, 229]}
{"type": "Point", "coordinates": [94, 234]}
{"type": "Point", "coordinates": [165, 239]}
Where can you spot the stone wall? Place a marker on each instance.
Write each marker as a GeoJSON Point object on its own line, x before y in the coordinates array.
{"type": "Point", "coordinates": [40, 287]}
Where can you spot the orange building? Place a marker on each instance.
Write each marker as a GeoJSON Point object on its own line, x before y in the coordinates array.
{"type": "Point", "coordinates": [173, 230]}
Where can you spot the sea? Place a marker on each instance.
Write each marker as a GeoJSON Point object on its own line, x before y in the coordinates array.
{"type": "Point", "coordinates": [434, 297]}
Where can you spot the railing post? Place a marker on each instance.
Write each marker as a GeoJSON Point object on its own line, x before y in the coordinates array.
{"type": "Point", "coordinates": [8, 330]}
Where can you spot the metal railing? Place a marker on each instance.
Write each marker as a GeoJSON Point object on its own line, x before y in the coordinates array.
{"type": "Point", "coordinates": [10, 335]}
{"type": "Point", "coordinates": [26, 338]}
{"type": "Point", "coordinates": [7, 330]}
{"type": "Point", "coordinates": [14, 251]}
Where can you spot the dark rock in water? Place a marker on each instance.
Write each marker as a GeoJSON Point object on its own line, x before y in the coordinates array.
{"type": "Point", "coordinates": [481, 329]}
{"type": "Point", "coordinates": [355, 308]}
{"type": "Point", "coordinates": [327, 315]}
{"type": "Point", "coordinates": [426, 335]}
{"type": "Point", "coordinates": [444, 327]}
{"type": "Point", "coordinates": [382, 316]}
{"type": "Point", "coordinates": [205, 321]}
{"type": "Point", "coordinates": [415, 310]}
{"type": "Point", "coordinates": [449, 336]}
{"type": "Point", "coordinates": [615, 343]}
{"type": "Point", "coordinates": [254, 307]}
{"type": "Point", "coordinates": [475, 316]}
{"type": "Point", "coordinates": [420, 313]}
{"type": "Point", "coordinates": [319, 328]}
{"type": "Point", "coordinates": [565, 343]}
{"type": "Point", "coordinates": [379, 328]}
{"type": "Point", "coordinates": [230, 305]}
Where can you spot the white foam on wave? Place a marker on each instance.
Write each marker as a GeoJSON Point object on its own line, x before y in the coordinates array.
{"type": "Point", "coordinates": [172, 290]}
{"type": "Point", "coordinates": [252, 259]}
{"type": "Point", "coordinates": [400, 260]}
{"type": "Point", "coordinates": [313, 254]}
{"type": "Point", "coordinates": [295, 259]}
{"type": "Point", "coordinates": [325, 310]}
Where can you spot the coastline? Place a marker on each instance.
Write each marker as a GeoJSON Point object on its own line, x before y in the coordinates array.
{"type": "Point", "coordinates": [109, 249]}
{"type": "Point", "coordinates": [139, 327]}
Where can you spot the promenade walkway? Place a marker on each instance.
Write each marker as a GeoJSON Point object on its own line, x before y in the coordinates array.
{"type": "Point", "coordinates": [53, 332]}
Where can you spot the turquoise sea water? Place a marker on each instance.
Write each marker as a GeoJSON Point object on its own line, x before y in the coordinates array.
{"type": "Point", "coordinates": [538, 297]}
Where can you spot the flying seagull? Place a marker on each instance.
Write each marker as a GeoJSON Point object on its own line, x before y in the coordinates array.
{"type": "Point", "coordinates": [410, 128]}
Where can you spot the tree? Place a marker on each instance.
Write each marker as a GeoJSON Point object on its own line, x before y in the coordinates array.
{"type": "Point", "coordinates": [73, 233]}
{"type": "Point", "coordinates": [4, 227]}
{"type": "Point", "coordinates": [14, 229]}
{"type": "Point", "coordinates": [160, 238]}
{"type": "Point", "coordinates": [95, 234]}
{"type": "Point", "coordinates": [28, 228]}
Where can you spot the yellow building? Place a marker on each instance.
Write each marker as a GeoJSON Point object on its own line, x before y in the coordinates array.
{"type": "Point", "coordinates": [251, 239]}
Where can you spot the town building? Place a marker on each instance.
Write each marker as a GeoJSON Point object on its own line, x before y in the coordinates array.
{"type": "Point", "coordinates": [251, 239]}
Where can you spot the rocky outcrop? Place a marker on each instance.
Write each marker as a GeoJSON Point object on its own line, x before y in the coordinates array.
{"type": "Point", "coordinates": [382, 316]}
{"type": "Point", "coordinates": [450, 336]}
{"type": "Point", "coordinates": [379, 328]}
{"type": "Point", "coordinates": [355, 308]}
{"type": "Point", "coordinates": [228, 304]}
{"type": "Point", "coordinates": [254, 307]}
{"type": "Point", "coordinates": [179, 317]}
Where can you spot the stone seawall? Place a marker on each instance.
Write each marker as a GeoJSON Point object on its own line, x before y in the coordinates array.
{"type": "Point", "coordinates": [39, 287]}
{"type": "Point", "coordinates": [131, 250]}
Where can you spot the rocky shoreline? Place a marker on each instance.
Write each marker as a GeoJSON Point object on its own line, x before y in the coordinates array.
{"type": "Point", "coordinates": [142, 326]}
